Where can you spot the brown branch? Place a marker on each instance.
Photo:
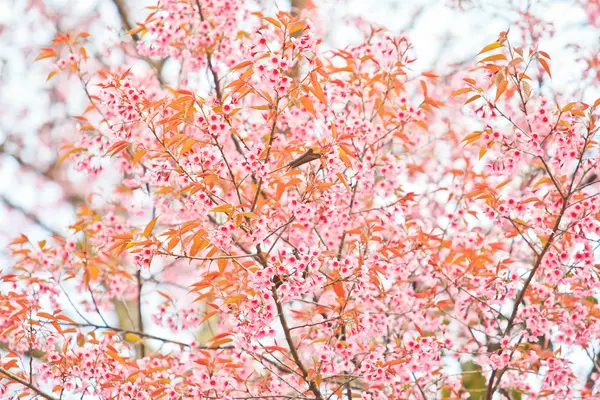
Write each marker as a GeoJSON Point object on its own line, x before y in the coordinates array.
{"type": "Point", "coordinates": [595, 368]}
{"type": "Point", "coordinates": [29, 215]}
{"type": "Point", "coordinates": [288, 337]}
{"type": "Point", "coordinates": [49, 174]}
{"type": "Point", "coordinates": [297, 6]}
{"type": "Point", "coordinates": [513, 315]}
{"type": "Point", "coordinates": [126, 331]}
{"type": "Point", "coordinates": [271, 138]}
{"type": "Point", "coordinates": [209, 61]}
{"type": "Point", "coordinates": [122, 10]}
{"type": "Point", "coordinates": [492, 386]}
{"type": "Point", "coordinates": [249, 255]}
{"type": "Point", "coordinates": [23, 382]}
{"type": "Point", "coordinates": [124, 15]}
{"type": "Point", "coordinates": [140, 319]}
{"type": "Point", "coordinates": [351, 206]}
{"type": "Point", "coordinates": [556, 185]}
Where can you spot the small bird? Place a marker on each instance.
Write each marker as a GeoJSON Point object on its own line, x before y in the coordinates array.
{"type": "Point", "coordinates": [305, 158]}
{"type": "Point", "coordinates": [590, 179]}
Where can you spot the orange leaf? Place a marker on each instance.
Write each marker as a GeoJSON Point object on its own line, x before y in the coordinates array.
{"type": "Point", "coordinates": [273, 21]}
{"type": "Point", "coordinates": [495, 57]}
{"type": "Point", "coordinates": [115, 356]}
{"type": "Point", "coordinates": [46, 52]}
{"type": "Point", "coordinates": [117, 147]}
{"type": "Point", "coordinates": [226, 208]}
{"type": "Point", "coordinates": [241, 65]}
{"type": "Point", "coordinates": [545, 65]}
{"type": "Point", "coordinates": [134, 30]}
{"type": "Point", "coordinates": [473, 99]}
{"type": "Point", "coordinates": [541, 181]}
{"type": "Point", "coordinates": [482, 152]}
{"type": "Point", "coordinates": [94, 271]}
{"type": "Point", "coordinates": [296, 28]}
{"type": "Point", "coordinates": [220, 342]}
{"type": "Point", "coordinates": [491, 47]}
{"type": "Point", "coordinates": [418, 328]}
{"type": "Point", "coordinates": [50, 75]}
{"type": "Point", "coordinates": [222, 264]}
{"type": "Point", "coordinates": [306, 103]}
{"type": "Point", "coordinates": [543, 53]}
{"type": "Point", "coordinates": [150, 227]}
{"type": "Point", "coordinates": [20, 240]}
{"type": "Point", "coordinates": [461, 91]}
{"type": "Point", "coordinates": [138, 156]}
{"type": "Point", "coordinates": [569, 106]}
{"type": "Point", "coordinates": [343, 180]}
{"type": "Point", "coordinates": [318, 90]}
{"type": "Point", "coordinates": [208, 316]}
{"type": "Point", "coordinates": [430, 75]}
{"type": "Point", "coordinates": [172, 243]}
{"type": "Point", "coordinates": [500, 89]}
{"type": "Point", "coordinates": [272, 349]}
{"type": "Point", "coordinates": [338, 288]}
{"type": "Point", "coordinates": [45, 315]}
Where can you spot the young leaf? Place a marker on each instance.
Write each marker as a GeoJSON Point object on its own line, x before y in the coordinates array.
{"type": "Point", "coordinates": [150, 227]}
{"type": "Point", "coordinates": [490, 47]}
{"type": "Point", "coordinates": [545, 65]}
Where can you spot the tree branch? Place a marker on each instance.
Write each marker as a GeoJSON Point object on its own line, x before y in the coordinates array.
{"type": "Point", "coordinates": [122, 10]}
{"type": "Point", "coordinates": [29, 215]}
{"type": "Point", "coordinates": [23, 382]}
{"type": "Point", "coordinates": [288, 337]}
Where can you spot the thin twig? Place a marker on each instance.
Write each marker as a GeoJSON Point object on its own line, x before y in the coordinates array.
{"type": "Point", "coordinates": [23, 382]}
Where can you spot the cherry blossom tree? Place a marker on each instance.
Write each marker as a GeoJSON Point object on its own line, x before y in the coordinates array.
{"type": "Point", "coordinates": [261, 215]}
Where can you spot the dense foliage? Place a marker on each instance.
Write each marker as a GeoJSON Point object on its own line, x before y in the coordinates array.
{"type": "Point", "coordinates": [315, 223]}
